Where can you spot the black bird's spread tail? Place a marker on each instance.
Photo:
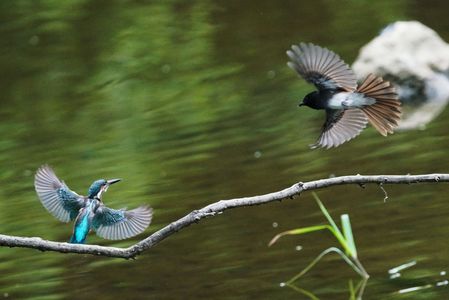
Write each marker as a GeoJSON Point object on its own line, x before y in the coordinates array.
{"type": "Point", "coordinates": [386, 112]}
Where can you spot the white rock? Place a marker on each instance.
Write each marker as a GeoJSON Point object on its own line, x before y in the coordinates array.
{"type": "Point", "coordinates": [404, 49]}
{"type": "Point", "coordinates": [416, 60]}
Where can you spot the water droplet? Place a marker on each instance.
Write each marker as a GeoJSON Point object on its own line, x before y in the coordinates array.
{"type": "Point", "coordinates": [275, 225]}
{"type": "Point", "coordinates": [166, 69]}
{"type": "Point", "coordinates": [298, 248]}
{"type": "Point", "coordinates": [442, 273]}
{"type": "Point", "coordinates": [282, 284]}
{"type": "Point", "coordinates": [34, 40]}
{"type": "Point", "coordinates": [257, 154]}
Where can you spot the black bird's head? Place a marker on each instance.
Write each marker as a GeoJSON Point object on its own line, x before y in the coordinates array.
{"type": "Point", "coordinates": [310, 100]}
{"type": "Point", "coordinates": [99, 187]}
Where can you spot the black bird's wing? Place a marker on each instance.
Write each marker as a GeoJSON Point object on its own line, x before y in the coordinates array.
{"type": "Point", "coordinates": [340, 126]}
{"type": "Point", "coordinates": [55, 196]}
{"type": "Point", "coordinates": [321, 67]}
{"type": "Point", "coordinates": [119, 224]}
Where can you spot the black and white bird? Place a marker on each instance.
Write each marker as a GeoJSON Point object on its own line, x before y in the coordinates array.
{"type": "Point", "coordinates": [349, 106]}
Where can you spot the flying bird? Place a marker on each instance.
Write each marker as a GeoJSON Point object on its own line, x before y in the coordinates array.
{"type": "Point", "coordinates": [89, 212]}
{"type": "Point", "coordinates": [349, 106]}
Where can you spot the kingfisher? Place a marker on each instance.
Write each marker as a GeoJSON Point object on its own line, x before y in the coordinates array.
{"type": "Point", "coordinates": [89, 212]}
{"type": "Point", "coordinates": [349, 106]}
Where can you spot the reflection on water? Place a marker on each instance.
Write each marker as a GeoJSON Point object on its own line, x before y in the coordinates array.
{"type": "Point", "coordinates": [190, 103]}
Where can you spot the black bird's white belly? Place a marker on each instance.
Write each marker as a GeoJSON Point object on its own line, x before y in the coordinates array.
{"type": "Point", "coordinates": [345, 100]}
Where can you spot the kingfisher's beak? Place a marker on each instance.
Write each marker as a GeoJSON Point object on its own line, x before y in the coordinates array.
{"type": "Point", "coordinates": [112, 181]}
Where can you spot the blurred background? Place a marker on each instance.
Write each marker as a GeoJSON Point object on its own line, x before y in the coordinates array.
{"type": "Point", "coordinates": [191, 102]}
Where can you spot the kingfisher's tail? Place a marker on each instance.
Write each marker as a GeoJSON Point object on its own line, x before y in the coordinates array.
{"type": "Point", "coordinates": [386, 112]}
{"type": "Point", "coordinates": [73, 240]}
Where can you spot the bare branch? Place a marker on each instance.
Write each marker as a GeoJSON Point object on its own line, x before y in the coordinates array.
{"type": "Point", "coordinates": [211, 210]}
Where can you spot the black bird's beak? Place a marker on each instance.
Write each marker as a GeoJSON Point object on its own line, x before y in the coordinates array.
{"type": "Point", "coordinates": [301, 104]}
{"type": "Point", "coordinates": [112, 181]}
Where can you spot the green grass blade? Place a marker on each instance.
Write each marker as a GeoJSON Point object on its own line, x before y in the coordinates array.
{"type": "Point", "coordinates": [351, 290]}
{"type": "Point", "coordinates": [347, 231]}
{"type": "Point", "coordinates": [338, 235]}
{"type": "Point", "coordinates": [319, 257]}
{"type": "Point", "coordinates": [360, 288]}
{"type": "Point", "coordinates": [299, 231]}
{"type": "Point", "coordinates": [326, 213]}
{"type": "Point", "coordinates": [303, 291]}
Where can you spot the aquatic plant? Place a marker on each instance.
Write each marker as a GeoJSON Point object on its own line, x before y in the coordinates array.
{"type": "Point", "coordinates": [346, 239]}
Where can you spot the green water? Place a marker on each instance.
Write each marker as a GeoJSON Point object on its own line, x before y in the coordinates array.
{"type": "Point", "coordinates": [190, 103]}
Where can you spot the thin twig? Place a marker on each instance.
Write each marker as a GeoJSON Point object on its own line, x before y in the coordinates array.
{"type": "Point", "coordinates": [381, 185]}
{"type": "Point", "coordinates": [211, 210]}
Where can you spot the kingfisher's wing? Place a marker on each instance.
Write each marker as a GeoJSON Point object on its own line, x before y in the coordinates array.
{"type": "Point", "coordinates": [340, 126]}
{"type": "Point", "coordinates": [119, 224]}
{"type": "Point", "coordinates": [321, 67]}
{"type": "Point", "coordinates": [55, 196]}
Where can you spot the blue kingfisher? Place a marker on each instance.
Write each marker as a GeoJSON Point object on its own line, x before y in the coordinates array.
{"type": "Point", "coordinates": [349, 107]}
{"type": "Point", "coordinates": [89, 212]}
